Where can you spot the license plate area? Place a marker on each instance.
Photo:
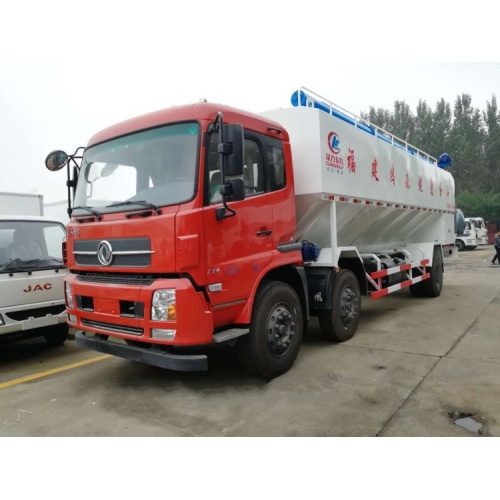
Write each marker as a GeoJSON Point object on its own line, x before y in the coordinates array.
{"type": "Point", "coordinates": [106, 306]}
{"type": "Point", "coordinates": [115, 307]}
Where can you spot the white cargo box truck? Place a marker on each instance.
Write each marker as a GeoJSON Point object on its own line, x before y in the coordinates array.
{"type": "Point", "coordinates": [21, 204]}
{"type": "Point", "coordinates": [57, 210]}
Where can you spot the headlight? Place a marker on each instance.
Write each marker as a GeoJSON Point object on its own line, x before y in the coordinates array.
{"type": "Point", "coordinates": [69, 297]}
{"type": "Point", "coordinates": [163, 307]}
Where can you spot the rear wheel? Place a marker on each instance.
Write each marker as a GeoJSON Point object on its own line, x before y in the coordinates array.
{"type": "Point", "coordinates": [416, 289]}
{"type": "Point", "coordinates": [460, 245]}
{"type": "Point", "coordinates": [273, 343]}
{"type": "Point", "coordinates": [341, 322]}
{"type": "Point", "coordinates": [432, 287]}
{"type": "Point", "coordinates": [56, 335]}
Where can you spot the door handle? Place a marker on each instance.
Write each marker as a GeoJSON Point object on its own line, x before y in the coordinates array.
{"type": "Point", "coordinates": [265, 232]}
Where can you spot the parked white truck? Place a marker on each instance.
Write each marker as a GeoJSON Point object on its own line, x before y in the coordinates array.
{"type": "Point", "coordinates": [465, 232]}
{"type": "Point", "coordinates": [480, 228]}
{"type": "Point", "coordinates": [31, 271]}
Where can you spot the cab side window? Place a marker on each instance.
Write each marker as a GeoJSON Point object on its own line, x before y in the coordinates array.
{"type": "Point", "coordinates": [253, 169]}
{"type": "Point", "coordinates": [213, 178]}
{"type": "Point", "coordinates": [276, 164]}
{"type": "Point", "coordinates": [253, 174]}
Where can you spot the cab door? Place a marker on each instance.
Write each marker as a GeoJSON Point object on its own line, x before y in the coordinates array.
{"type": "Point", "coordinates": [239, 247]}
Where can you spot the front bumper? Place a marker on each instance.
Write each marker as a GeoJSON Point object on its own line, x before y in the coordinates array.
{"type": "Point", "coordinates": [103, 308]}
{"type": "Point", "coordinates": [150, 356]}
{"type": "Point", "coordinates": [31, 317]}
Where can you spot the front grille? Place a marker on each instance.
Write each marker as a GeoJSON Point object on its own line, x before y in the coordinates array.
{"type": "Point", "coordinates": [126, 252]}
{"type": "Point", "coordinates": [118, 260]}
{"type": "Point", "coordinates": [117, 279]}
{"type": "Point", "coordinates": [41, 312]}
{"type": "Point", "coordinates": [110, 327]}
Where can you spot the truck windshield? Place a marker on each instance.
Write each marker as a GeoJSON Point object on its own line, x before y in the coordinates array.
{"type": "Point", "coordinates": [156, 166]}
{"type": "Point", "coordinates": [30, 245]}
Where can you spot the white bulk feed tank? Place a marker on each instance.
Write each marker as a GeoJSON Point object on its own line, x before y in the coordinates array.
{"type": "Point", "coordinates": [360, 187]}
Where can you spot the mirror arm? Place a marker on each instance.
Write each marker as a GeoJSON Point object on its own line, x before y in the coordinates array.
{"type": "Point", "coordinates": [76, 151]}
{"type": "Point", "coordinates": [225, 211]}
{"type": "Point", "coordinates": [222, 212]}
{"type": "Point", "coordinates": [71, 183]}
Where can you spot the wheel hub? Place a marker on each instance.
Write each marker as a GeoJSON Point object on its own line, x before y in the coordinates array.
{"type": "Point", "coordinates": [280, 330]}
{"type": "Point", "coordinates": [348, 306]}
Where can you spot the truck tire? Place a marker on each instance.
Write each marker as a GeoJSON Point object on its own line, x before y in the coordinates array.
{"type": "Point", "coordinates": [460, 245]}
{"type": "Point", "coordinates": [416, 289]}
{"type": "Point", "coordinates": [432, 287]}
{"type": "Point", "coordinates": [273, 343]}
{"type": "Point", "coordinates": [341, 322]}
{"type": "Point", "coordinates": [56, 335]}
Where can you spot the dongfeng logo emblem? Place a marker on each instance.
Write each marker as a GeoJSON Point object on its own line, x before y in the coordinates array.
{"type": "Point", "coordinates": [104, 253]}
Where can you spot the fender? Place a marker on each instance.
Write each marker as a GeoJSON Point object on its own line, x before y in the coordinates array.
{"type": "Point", "coordinates": [279, 260]}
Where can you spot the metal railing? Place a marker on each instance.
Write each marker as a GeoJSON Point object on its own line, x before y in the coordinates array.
{"type": "Point", "coordinates": [312, 99]}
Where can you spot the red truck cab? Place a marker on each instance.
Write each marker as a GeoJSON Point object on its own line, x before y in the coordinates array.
{"type": "Point", "coordinates": [169, 248]}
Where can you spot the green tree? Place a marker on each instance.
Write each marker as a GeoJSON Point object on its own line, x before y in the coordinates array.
{"type": "Point", "coordinates": [485, 205]}
{"type": "Point", "coordinates": [379, 117]}
{"type": "Point", "coordinates": [491, 173]}
{"type": "Point", "coordinates": [402, 121]}
{"type": "Point", "coordinates": [441, 127]}
{"type": "Point", "coordinates": [422, 133]}
{"type": "Point", "coordinates": [466, 142]}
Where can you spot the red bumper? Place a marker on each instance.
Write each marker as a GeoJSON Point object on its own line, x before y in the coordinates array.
{"type": "Point", "coordinates": [124, 311]}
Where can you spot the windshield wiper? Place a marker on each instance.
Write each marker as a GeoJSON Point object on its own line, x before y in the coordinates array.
{"type": "Point", "coordinates": [11, 266]}
{"type": "Point", "coordinates": [16, 266]}
{"type": "Point", "coordinates": [142, 203]}
{"type": "Point", "coordinates": [95, 213]}
{"type": "Point", "coordinates": [19, 265]}
{"type": "Point", "coordinates": [44, 261]}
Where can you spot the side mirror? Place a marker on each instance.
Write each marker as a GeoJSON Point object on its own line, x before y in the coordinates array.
{"type": "Point", "coordinates": [233, 149]}
{"type": "Point", "coordinates": [233, 189]}
{"type": "Point", "coordinates": [56, 160]}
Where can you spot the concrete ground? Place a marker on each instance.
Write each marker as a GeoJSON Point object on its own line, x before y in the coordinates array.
{"type": "Point", "coordinates": [416, 367]}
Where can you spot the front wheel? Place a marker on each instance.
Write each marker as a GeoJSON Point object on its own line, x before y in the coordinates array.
{"type": "Point", "coordinates": [56, 335]}
{"type": "Point", "coordinates": [273, 343]}
{"type": "Point", "coordinates": [341, 322]}
{"type": "Point", "coordinates": [460, 245]}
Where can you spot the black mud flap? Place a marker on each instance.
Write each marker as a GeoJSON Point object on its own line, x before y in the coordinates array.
{"type": "Point", "coordinates": [319, 287]}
